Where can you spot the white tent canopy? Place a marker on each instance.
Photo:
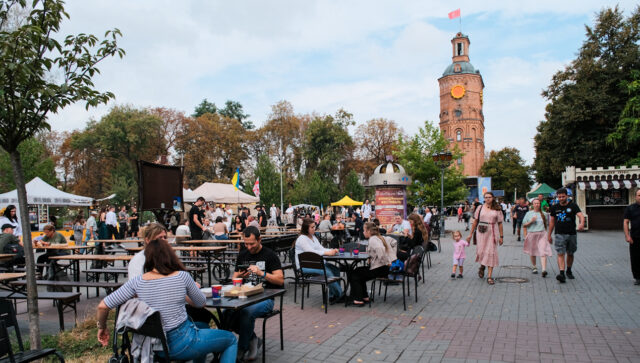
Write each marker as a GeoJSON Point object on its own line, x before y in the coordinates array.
{"type": "Point", "coordinates": [39, 192]}
{"type": "Point", "coordinates": [221, 193]}
{"type": "Point", "coordinates": [188, 196]}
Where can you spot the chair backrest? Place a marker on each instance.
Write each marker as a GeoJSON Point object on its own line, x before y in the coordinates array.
{"type": "Point", "coordinates": [152, 328]}
{"type": "Point", "coordinates": [292, 258]}
{"type": "Point", "coordinates": [5, 342]}
{"type": "Point", "coordinates": [311, 260]}
{"type": "Point", "coordinates": [8, 317]}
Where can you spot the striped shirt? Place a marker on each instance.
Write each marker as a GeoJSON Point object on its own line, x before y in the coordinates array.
{"type": "Point", "coordinates": [166, 295]}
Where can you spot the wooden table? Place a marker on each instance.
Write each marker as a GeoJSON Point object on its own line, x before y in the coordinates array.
{"type": "Point", "coordinates": [73, 249]}
{"type": "Point", "coordinates": [75, 260]}
{"type": "Point", "coordinates": [6, 256]}
{"type": "Point", "coordinates": [185, 248]}
{"type": "Point", "coordinates": [7, 277]}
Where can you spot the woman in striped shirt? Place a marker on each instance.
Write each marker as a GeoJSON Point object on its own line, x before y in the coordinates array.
{"type": "Point", "coordinates": [164, 288]}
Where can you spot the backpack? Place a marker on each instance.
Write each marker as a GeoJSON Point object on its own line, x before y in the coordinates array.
{"type": "Point", "coordinates": [17, 250]}
{"type": "Point", "coordinates": [412, 265]}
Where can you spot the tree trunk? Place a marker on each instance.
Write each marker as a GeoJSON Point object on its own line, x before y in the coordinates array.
{"type": "Point", "coordinates": [32, 288]}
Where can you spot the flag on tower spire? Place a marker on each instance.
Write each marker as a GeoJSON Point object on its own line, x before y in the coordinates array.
{"type": "Point", "coordinates": [454, 14]}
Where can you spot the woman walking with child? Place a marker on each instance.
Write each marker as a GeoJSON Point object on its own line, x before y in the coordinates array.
{"type": "Point", "coordinates": [535, 237]}
{"type": "Point", "coordinates": [487, 228]}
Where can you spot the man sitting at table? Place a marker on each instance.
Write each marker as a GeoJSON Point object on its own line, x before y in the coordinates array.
{"type": "Point", "coordinates": [401, 224]}
{"type": "Point", "coordinates": [251, 221]}
{"type": "Point", "coordinates": [51, 237]}
{"type": "Point", "coordinates": [9, 243]}
{"type": "Point", "coordinates": [266, 268]}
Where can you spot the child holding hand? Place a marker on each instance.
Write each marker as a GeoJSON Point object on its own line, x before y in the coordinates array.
{"type": "Point", "coordinates": [459, 253]}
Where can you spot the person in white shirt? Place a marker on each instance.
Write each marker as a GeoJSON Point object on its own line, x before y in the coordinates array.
{"type": "Point", "coordinates": [273, 212]}
{"type": "Point", "coordinates": [401, 225]}
{"type": "Point", "coordinates": [307, 242]}
{"type": "Point", "coordinates": [111, 220]}
{"type": "Point", "coordinates": [10, 216]}
{"type": "Point", "coordinates": [366, 211]}
{"type": "Point", "coordinates": [427, 216]}
{"type": "Point", "coordinates": [183, 228]}
{"type": "Point", "coordinates": [92, 227]}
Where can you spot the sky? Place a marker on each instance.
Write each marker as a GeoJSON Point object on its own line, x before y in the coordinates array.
{"type": "Point", "coordinates": [372, 58]}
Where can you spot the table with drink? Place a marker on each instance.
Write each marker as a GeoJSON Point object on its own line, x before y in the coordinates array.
{"type": "Point", "coordinates": [348, 261]}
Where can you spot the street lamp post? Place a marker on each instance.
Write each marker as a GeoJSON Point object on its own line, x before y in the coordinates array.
{"type": "Point", "coordinates": [442, 160]}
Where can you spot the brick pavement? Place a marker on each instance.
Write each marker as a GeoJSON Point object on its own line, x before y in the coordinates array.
{"type": "Point", "coordinates": [594, 318]}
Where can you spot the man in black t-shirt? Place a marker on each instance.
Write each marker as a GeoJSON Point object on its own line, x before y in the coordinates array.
{"type": "Point", "coordinates": [632, 235]}
{"type": "Point", "coordinates": [263, 266]}
{"type": "Point", "coordinates": [563, 217]}
{"type": "Point", "coordinates": [519, 212]}
{"type": "Point", "coordinates": [196, 217]}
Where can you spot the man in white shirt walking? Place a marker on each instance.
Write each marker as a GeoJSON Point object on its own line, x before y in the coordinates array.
{"type": "Point", "coordinates": [111, 221]}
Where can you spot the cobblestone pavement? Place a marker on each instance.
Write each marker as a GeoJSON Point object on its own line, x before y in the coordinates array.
{"type": "Point", "coordinates": [594, 318]}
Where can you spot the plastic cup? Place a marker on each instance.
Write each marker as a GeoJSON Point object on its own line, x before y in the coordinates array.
{"type": "Point", "coordinates": [341, 250]}
{"type": "Point", "coordinates": [237, 282]}
{"type": "Point", "coordinates": [72, 243]}
{"type": "Point", "coordinates": [356, 252]}
{"type": "Point", "coordinates": [215, 292]}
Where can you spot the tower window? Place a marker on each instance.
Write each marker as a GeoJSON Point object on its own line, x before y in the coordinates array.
{"type": "Point", "coordinates": [459, 135]}
{"type": "Point", "coordinates": [460, 50]}
{"type": "Point", "coordinates": [459, 161]}
{"type": "Point", "coordinates": [458, 112]}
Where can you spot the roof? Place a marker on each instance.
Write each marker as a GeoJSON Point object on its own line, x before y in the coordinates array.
{"type": "Point", "coordinates": [543, 189]}
{"type": "Point", "coordinates": [346, 201]}
{"type": "Point", "coordinates": [222, 193]}
{"type": "Point", "coordinates": [465, 67]}
{"type": "Point", "coordinates": [39, 192]}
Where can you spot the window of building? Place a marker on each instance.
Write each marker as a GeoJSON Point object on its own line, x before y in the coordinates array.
{"type": "Point", "coordinates": [459, 161]}
{"type": "Point", "coordinates": [607, 197]}
{"type": "Point", "coordinates": [460, 49]}
{"type": "Point", "coordinates": [458, 135]}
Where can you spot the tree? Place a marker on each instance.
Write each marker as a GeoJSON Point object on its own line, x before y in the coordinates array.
{"type": "Point", "coordinates": [328, 143]}
{"type": "Point", "coordinates": [374, 140]}
{"type": "Point", "coordinates": [507, 171]}
{"type": "Point", "coordinates": [352, 186]}
{"type": "Point", "coordinates": [172, 125]}
{"type": "Point", "coordinates": [269, 181]}
{"type": "Point", "coordinates": [233, 110]}
{"type": "Point", "coordinates": [35, 161]}
{"type": "Point", "coordinates": [586, 100]}
{"type": "Point", "coordinates": [628, 128]}
{"type": "Point", "coordinates": [205, 107]}
{"type": "Point", "coordinates": [313, 188]}
{"type": "Point", "coordinates": [414, 154]}
{"type": "Point", "coordinates": [39, 75]}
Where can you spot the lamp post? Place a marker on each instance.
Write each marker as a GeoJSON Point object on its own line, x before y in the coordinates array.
{"type": "Point", "coordinates": [442, 160]}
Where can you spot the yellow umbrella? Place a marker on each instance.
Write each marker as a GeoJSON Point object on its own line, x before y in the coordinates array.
{"type": "Point", "coordinates": [346, 201]}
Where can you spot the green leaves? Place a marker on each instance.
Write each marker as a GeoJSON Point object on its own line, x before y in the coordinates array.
{"type": "Point", "coordinates": [507, 171]}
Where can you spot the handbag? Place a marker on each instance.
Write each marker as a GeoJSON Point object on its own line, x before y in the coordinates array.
{"type": "Point", "coordinates": [474, 237]}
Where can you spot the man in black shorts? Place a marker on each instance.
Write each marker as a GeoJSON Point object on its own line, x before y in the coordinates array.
{"type": "Point", "coordinates": [562, 216]}
{"type": "Point", "coordinates": [632, 235]}
{"type": "Point", "coordinates": [196, 217]}
{"type": "Point", "coordinates": [519, 211]}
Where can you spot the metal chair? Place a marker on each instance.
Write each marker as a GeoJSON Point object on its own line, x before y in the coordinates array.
{"type": "Point", "coordinates": [400, 277]}
{"type": "Point", "coordinates": [315, 261]}
{"type": "Point", "coordinates": [7, 320]}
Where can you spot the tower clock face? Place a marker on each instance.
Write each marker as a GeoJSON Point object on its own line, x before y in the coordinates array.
{"type": "Point", "coordinates": [457, 91]}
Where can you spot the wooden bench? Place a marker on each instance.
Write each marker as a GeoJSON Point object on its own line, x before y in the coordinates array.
{"type": "Point", "coordinates": [107, 286]}
{"type": "Point", "coordinates": [62, 300]}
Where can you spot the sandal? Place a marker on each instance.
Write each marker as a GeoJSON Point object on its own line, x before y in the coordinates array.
{"type": "Point", "coordinates": [490, 281]}
{"type": "Point", "coordinates": [481, 272]}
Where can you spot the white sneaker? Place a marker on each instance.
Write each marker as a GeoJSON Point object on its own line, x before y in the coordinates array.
{"type": "Point", "coordinates": [254, 347]}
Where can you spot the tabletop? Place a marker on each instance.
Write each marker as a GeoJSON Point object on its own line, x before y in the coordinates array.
{"type": "Point", "coordinates": [237, 303]}
{"type": "Point", "coordinates": [205, 241]}
{"type": "Point", "coordinates": [6, 256]}
{"type": "Point", "coordinates": [63, 247]}
{"type": "Point", "coordinates": [186, 248]}
{"type": "Point", "coordinates": [118, 240]}
{"type": "Point", "coordinates": [8, 276]}
{"type": "Point", "coordinates": [347, 256]}
{"type": "Point", "coordinates": [93, 257]}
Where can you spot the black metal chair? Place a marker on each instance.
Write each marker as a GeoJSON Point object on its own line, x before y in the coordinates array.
{"type": "Point", "coordinates": [315, 261]}
{"type": "Point", "coordinates": [264, 329]}
{"type": "Point", "coordinates": [152, 328]}
{"type": "Point", "coordinates": [400, 277]}
{"type": "Point", "coordinates": [297, 279]}
{"type": "Point", "coordinates": [7, 320]}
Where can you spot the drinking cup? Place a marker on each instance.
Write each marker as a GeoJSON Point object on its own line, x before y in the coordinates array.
{"type": "Point", "coordinates": [356, 252]}
{"type": "Point", "coordinates": [215, 291]}
{"type": "Point", "coordinates": [341, 250]}
{"type": "Point", "coordinates": [237, 282]}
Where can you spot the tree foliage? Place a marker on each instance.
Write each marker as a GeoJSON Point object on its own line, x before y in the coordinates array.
{"type": "Point", "coordinates": [327, 143]}
{"type": "Point", "coordinates": [415, 153]}
{"type": "Point", "coordinates": [269, 181]}
{"type": "Point", "coordinates": [352, 186]}
{"type": "Point", "coordinates": [40, 74]}
{"type": "Point", "coordinates": [586, 99]}
{"type": "Point", "coordinates": [375, 140]}
{"type": "Point", "coordinates": [628, 128]}
{"type": "Point", "coordinates": [507, 171]}
{"type": "Point", "coordinates": [36, 163]}
{"type": "Point", "coordinates": [232, 110]}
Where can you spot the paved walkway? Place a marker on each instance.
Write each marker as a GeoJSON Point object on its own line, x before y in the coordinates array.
{"type": "Point", "coordinates": [594, 318]}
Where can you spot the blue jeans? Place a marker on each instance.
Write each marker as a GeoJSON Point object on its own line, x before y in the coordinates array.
{"type": "Point", "coordinates": [191, 341]}
{"type": "Point", "coordinates": [244, 321]}
{"type": "Point", "coordinates": [222, 237]}
{"type": "Point", "coordinates": [335, 290]}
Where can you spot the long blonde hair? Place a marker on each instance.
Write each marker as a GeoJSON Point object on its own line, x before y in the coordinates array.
{"type": "Point", "coordinates": [374, 231]}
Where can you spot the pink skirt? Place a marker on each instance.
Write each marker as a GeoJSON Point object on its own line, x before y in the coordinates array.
{"type": "Point", "coordinates": [537, 244]}
{"type": "Point", "coordinates": [487, 248]}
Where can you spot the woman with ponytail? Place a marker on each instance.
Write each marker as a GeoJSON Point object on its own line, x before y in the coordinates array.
{"type": "Point", "coordinates": [382, 253]}
{"type": "Point", "coordinates": [535, 237]}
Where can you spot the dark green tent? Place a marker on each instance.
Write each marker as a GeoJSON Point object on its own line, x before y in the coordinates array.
{"type": "Point", "coordinates": [543, 189]}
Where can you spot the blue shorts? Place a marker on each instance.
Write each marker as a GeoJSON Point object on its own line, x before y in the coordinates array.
{"type": "Point", "coordinates": [458, 261]}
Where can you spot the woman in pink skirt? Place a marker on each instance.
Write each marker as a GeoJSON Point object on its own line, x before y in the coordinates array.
{"type": "Point", "coordinates": [535, 237]}
{"type": "Point", "coordinates": [487, 227]}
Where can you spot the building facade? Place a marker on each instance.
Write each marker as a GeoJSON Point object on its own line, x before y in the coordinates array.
{"type": "Point", "coordinates": [461, 116]}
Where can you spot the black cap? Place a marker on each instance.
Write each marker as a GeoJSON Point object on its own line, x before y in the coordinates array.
{"type": "Point", "coordinates": [6, 225]}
